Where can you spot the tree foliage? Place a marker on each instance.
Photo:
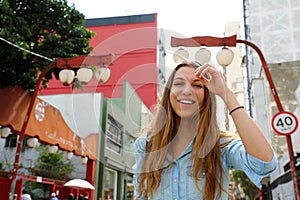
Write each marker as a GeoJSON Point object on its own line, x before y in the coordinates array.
{"type": "Point", "coordinates": [240, 178]}
{"type": "Point", "coordinates": [52, 166]}
{"type": "Point", "coordinates": [50, 28]}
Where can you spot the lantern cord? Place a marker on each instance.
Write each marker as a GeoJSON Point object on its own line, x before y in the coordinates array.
{"type": "Point", "coordinates": [36, 54]}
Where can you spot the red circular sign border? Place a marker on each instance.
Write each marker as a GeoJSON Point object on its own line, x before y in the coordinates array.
{"type": "Point", "coordinates": [289, 113]}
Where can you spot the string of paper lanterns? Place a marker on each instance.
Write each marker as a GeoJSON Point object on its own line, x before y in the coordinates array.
{"type": "Point", "coordinates": [84, 75]}
{"type": "Point", "coordinates": [224, 56]}
{"type": "Point", "coordinates": [32, 142]}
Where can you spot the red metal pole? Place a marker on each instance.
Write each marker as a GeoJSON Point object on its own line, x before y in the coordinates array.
{"type": "Point", "coordinates": [207, 41]}
{"type": "Point", "coordinates": [280, 108]}
{"type": "Point", "coordinates": [267, 72]}
{"type": "Point", "coordinates": [261, 194]}
{"type": "Point", "coordinates": [24, 126]}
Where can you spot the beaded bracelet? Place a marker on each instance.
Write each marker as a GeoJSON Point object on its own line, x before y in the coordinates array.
{"type": "Point", "coordinates": [235, 109]}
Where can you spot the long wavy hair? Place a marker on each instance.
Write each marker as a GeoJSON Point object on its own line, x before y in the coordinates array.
{"type": "Point", "coordinates": [206, 145]}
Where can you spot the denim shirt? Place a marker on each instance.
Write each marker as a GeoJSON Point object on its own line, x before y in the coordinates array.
{"type": "Point", "coordinates": [177, 184]}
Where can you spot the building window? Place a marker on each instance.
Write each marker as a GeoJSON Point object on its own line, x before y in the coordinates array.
{"type": "Point", "coordinates": [110, 183]}
{"type": "Point", "coordinates": [12, 139]}
{"type": "Point", "coordinates": [114, 135]}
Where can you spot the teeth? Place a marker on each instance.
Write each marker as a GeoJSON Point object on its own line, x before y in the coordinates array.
{"type": "Point", "coordinates": [186, 101]}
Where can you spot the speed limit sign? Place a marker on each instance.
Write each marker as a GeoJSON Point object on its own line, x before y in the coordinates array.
{"type": "Point", "coordinates": [284, 123]}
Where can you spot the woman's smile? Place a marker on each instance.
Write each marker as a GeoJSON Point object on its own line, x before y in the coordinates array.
{"type": "Point", "coordinates": [186, 101]}
{"type": "Point", "coordinates": [187, 92]}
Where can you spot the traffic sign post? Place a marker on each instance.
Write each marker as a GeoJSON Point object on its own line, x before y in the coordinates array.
{"type": "Point", "coordinates": [284, 123]}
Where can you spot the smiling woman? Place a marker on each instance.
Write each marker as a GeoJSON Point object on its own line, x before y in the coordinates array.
{"type": "Point", "coordinates": [184, 155]}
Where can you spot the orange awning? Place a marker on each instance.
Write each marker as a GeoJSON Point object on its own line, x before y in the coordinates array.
{"type": "Point", "coordinates": [46, 123]}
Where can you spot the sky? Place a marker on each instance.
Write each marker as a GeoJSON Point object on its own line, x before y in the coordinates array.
{"type": "Point", "coordinates": [187, 17]}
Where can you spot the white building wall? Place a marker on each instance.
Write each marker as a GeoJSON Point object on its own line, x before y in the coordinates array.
{"type": "Point", "coordinates": [275, 28]}
{"type": "Point", "coordinates": [296, 135]}
{"type": "Point", "coordinates": [260, 106]}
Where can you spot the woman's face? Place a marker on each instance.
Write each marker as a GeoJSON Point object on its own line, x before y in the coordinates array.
{"type": "Point", "coordinates": [187, 92]}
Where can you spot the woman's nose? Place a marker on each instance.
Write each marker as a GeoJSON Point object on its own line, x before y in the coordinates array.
{"type": "Point", "coordinates": [187, 90]}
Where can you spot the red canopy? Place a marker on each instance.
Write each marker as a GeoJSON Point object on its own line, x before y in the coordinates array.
{"type": "Point", "coordinates": [46, 123]}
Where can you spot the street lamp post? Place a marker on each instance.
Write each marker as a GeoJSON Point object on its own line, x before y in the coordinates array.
{"type": "Point", "coordinates": [231, 41]}
{"type": "Point", "coordinates": [61, 63]}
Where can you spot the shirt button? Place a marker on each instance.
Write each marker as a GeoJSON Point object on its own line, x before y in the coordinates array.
{"type": "Point", "coordinates": [175, 180]}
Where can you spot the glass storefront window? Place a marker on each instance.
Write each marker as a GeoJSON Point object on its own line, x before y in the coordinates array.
{"type": "Point", "coordinates": [110, 184]}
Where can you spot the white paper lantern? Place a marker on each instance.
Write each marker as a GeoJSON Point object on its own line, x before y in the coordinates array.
{"type": "Point", "coordinates": [84, 75]}
{"type": "Point", "coordinates": [70, 155]}
{"type": "Point", "coordinates": [225, 56]}
{"type": "Point", "coordinates": [5, 131]}
{"type": "Point", "coordinates": [180, 55]}
{"type": "Point", "coordinates": [203, 56]}
{"type": "Point", "coordinates": [52, 149]}
{"type": "Point", "coordinates": [102, 74]}
{"type": "Point", "coordinates": [32, 142]}
{"type": "Point", "coordinates": [84, 160]}
{"type": "Point", "coordinates": [66, 76]}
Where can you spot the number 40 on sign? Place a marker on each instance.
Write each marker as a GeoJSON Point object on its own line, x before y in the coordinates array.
{"type": "Point", "coordinates": [284, 123]}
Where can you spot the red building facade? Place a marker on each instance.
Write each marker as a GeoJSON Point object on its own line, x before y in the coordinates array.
{"type": "Point", "coordinates": [133, 41]}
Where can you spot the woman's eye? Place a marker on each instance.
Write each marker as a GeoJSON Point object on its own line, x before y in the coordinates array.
{"type": "Point", "coordinates": [199, 86]}
{"type": "Point", "coordinates": [178, 84]}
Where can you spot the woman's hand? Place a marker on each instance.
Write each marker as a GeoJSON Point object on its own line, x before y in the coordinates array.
{"type": "Point", "coordinates": [252, 136]}
{"type": "Point", "coordinates": [213, 79]}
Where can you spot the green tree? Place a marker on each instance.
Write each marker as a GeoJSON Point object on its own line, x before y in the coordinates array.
{"type": "Point", "coordinates": [240, 178]}
{"type": "Point", "coordinates": [47, 165]}
{"type": "Point", "coordinates": [50, 28]}
{"type": "Point", "coordinates": [52, 165]}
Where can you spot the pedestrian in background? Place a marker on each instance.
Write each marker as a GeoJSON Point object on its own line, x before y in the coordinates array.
{"type": "Point", "coordinates": [86, 196]}
{"type": "Point", "coordinates": [53, 196]}
{"type": "Point", "coordinates": [81, 197]}
{"type": "Point", "coordinates": [71, 196]}
{"type": "Point", "coordinates": [184, 154]}
{"type": "Point", "coordinates": [25, 195]}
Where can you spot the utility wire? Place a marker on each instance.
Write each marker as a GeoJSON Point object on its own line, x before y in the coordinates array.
{"type": "Point", "coordinates": [14, 45]}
